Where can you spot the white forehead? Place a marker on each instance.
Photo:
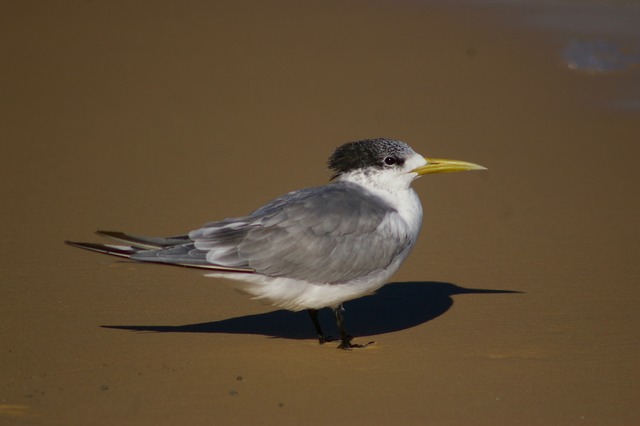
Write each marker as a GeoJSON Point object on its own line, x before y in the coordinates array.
{"type": "Point", "coordinates": [415, 160]}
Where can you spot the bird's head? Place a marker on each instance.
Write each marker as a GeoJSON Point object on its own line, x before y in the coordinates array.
{"type": "Point", "coordinates": [388, 162]}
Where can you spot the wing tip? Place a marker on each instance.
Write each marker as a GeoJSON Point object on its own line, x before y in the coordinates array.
{"type": "Point", "coordinates": [74, 243]}
{"type": "Point", "coordinates": [110, 234]}
{"type": "Point", "coordinates": [102, 248]}
{"type": "Point", "coordinates": [128, 252]}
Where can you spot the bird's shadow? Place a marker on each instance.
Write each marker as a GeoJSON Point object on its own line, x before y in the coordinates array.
{"type": "Point", "coordinates": [395, 307]}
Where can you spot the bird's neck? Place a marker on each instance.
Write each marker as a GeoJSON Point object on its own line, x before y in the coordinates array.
{"type": "Point", "coordinates": [399, 195]}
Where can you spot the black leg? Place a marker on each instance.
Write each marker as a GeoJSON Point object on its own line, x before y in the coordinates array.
{"type": "Point", "coordinates": [313, 314]}
{"type": "Point", "coordinates": [345, 339]}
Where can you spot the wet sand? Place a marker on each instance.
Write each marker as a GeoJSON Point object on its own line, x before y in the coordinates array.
{"type": "Point", "coordinates": [157, 117]}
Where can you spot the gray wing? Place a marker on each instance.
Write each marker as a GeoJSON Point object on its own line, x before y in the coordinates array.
{"type": "Point", "coordinates": [178, 250]}
{"type": "Point", "coordinates": [329, 234]}
{"type": "Point", "coordinates": [143, 242]}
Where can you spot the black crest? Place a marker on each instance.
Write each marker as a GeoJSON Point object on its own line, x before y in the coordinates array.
{"type": "Point", "coordinates": [368, 153]}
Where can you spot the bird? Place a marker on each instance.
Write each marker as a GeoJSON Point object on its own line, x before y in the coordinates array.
{"type": "Point", "coordinates": [312, 248]}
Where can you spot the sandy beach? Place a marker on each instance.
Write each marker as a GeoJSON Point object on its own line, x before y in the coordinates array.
{"type": "Point", "coordinates": [518, 305]}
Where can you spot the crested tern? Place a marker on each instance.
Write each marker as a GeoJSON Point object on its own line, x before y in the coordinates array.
{"type": "Point", "coordinates": [311, 248]}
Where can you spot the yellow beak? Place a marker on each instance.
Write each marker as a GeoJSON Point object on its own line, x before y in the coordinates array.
{"type": "Point", "coordinates": [440, 165]}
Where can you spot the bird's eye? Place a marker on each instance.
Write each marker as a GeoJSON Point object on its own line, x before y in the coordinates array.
{"type": "Point", "coordinates": [390, 161]}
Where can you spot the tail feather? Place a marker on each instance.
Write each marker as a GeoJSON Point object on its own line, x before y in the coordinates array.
{"type": "Point", "coordinates": [113, 250]}
{"type": "Point", "coordinates": [128, 252]}
{"type": "Point", "coordinates": [142, 242]}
